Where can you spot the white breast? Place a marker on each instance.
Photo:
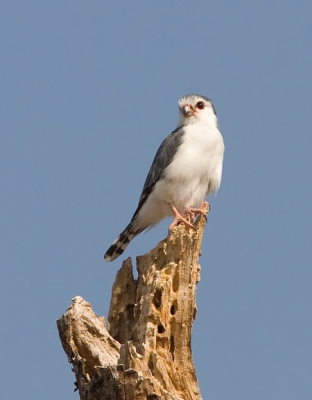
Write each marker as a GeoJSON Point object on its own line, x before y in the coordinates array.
{"type": "Point", "coordinates": [195, 172]}
{"type": "Point", "coordinates": [196, 168]}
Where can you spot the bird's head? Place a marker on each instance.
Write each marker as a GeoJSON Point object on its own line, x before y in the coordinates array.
{"type": "Point", "coordinates": [195, 108]}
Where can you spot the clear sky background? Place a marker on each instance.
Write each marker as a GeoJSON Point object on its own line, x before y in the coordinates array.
{"type": "Point", "coordinates": [88, 91]}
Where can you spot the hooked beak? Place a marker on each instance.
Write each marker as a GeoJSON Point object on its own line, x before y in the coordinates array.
{"type": "Point", "coordinates": [188, 110]}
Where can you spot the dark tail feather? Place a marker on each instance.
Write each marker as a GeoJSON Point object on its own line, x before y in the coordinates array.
{"type": "Point", "coordinates": [120, 244]}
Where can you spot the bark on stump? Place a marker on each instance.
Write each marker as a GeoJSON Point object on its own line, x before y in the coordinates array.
{"type": "Point", "coordinates": [146, 351]}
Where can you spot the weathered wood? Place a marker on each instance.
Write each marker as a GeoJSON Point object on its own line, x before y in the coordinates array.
{"type": "Point", "coordinates": [146, 351]}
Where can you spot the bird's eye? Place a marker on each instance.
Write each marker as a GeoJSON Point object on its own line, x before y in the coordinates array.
{"type": "Point", "coordinates": [200, 105]}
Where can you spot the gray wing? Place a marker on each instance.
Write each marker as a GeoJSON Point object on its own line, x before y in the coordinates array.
{"type": "Point", "coordinates": [162, 159]}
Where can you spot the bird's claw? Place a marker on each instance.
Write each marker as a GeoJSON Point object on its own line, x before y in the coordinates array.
{"type": "Point", "coordinates": [178, 218]}
{"type": "Point", "coordinates": [192, 212]}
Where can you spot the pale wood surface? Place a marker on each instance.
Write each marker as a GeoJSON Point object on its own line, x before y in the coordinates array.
{"type": "Point", "coordinates": [146, 351]}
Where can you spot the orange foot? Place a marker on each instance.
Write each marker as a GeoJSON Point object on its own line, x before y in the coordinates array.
{"type": "Point", "coordinates": [192, 212]}
{"type": "Point", "coordinates": [178, 218]}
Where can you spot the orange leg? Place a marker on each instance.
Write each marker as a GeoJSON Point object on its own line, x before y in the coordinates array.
{"type": "Point", "coordinates": [192, 212]}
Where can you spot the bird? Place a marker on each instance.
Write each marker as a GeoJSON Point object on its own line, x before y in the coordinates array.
{"type": "Point", "coordinates": [187, 168]}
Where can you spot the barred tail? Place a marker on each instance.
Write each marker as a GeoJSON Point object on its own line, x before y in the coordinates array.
{"type": "Point", "coordinates": [120, 244]}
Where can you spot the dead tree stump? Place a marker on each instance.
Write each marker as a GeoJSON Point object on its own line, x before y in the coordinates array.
{"type": "Point", "coordinates": [146, 352]}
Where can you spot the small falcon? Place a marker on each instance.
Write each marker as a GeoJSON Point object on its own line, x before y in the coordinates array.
{"type": "Point", "coordinates": [186, 169]}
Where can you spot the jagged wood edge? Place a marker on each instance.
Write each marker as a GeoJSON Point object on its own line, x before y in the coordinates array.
{"type": "Point", "coordinates": [91, 369]}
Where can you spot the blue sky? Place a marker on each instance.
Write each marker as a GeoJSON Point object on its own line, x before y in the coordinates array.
{"type": "Point", "coordinates": [88, 92]}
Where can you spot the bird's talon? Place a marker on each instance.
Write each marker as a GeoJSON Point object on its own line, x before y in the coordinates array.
{"type": "Point", "coordinates": [178, 218]}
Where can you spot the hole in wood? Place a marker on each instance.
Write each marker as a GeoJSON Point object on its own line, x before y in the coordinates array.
{"type": "Point", "coordinates": [157, 298]}
{"type": "Point", "coordinates": [160, 329]}
{"type": "Point", "coordinates": [173, 308]}
{"type": "Point", "coordinates": [151, 364]}
{"type": "Point", "coordinates": [194, 313]}
{"type": "Point", "coordinates": [130, 310]}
